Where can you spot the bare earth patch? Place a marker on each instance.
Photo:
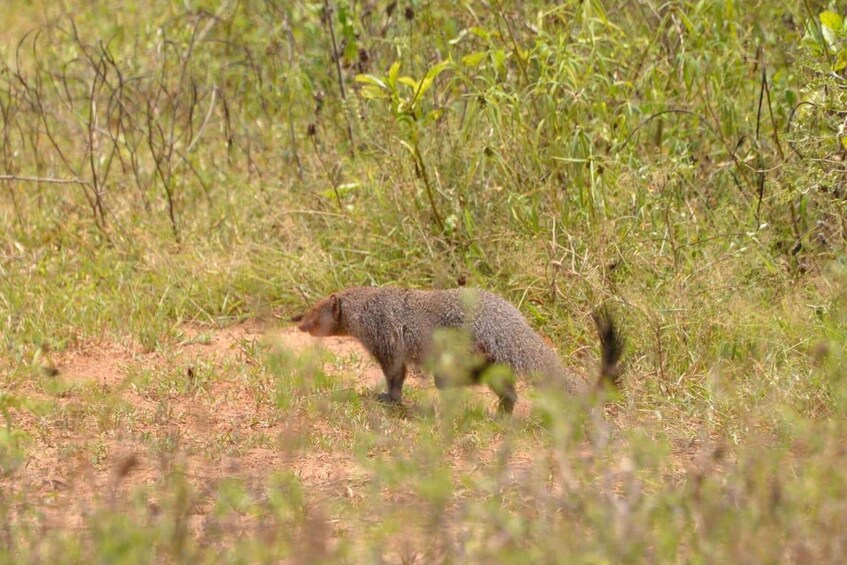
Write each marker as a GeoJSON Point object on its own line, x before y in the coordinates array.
{"type": "Point", "coordinates": [94, 445]}
{"type": "Point", "coordinates": [121, 420]}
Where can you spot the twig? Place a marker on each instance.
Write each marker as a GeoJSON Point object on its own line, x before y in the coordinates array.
{"type": "Point", "coordinates": [773, 121]}
{"type": "Point", "coordinates": [205, 121]}
{"type": "Point", "coordinates": [337, 58]}
{"type": "Point", "coordinates": [760, 159]}
{"type": "Point", "coordinates": [791, 120]}
{"type": "Point", "coordinates": [420, 167]}
{"type": "Point", "coordinates": [331, 177]}
{"type": "Point", "coordinates": [48, 180]}
{"type": "Point", "coordinates": [292, 61]}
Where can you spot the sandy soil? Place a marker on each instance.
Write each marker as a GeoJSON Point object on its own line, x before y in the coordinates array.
{"type": "Point", "coordinates": [93, 447]}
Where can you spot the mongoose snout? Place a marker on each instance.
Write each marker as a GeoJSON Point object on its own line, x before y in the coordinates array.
{"type": "Point", "coordinates": [322, 320]}
{"type": "Point", "coordinates": [401, 327]}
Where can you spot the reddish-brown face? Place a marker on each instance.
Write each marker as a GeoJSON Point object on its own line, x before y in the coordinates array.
{"type": "Point", "coordinates": [323, 319]}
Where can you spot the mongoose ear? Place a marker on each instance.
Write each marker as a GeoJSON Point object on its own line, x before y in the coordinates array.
{"type": "Point", "coordinates": [335, 303]}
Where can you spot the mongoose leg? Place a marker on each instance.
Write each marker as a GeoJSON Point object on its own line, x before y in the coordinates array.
{"type": "Point", "coordinates": [473, 378]}
{"type": "Point", "coordinates": [504, 389]}
{"type": "Point", "coordinates": [508, 398]}
{"type": "Point", "coordinates": [394, 377]}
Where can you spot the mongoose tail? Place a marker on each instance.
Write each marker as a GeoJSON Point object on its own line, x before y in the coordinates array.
{"type": "Point", "coordinates": [611, 348]}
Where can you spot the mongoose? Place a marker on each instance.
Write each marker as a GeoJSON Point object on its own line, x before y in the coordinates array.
{"type": "Point", "coordinates": [397, 326]}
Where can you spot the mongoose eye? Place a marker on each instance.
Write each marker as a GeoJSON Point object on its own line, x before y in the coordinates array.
{"type": "Point", "coordinates": [297, 318]}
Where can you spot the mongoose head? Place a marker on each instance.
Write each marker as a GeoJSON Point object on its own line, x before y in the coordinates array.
{"type": "Point", "coordinates": [323, 319]}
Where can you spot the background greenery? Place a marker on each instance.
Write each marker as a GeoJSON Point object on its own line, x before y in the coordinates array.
{"type": "Point", "coordinates": [224, 161]}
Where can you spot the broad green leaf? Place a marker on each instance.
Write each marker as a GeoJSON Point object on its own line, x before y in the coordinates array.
{"type": "Point", "coordinates": [831, 20]}
{"type": "Point", "coordinates": [458, 38]}
{"type": "Point", "coordinates": [392, 74]}
{"type": "Point", "coordinates": [433, 116]}
{"type": "Point", "coordinates": [409, 148]}
{"type": "Point", "coordinates": [473, 59]}
{"type": "Point", "coordinates": [689, 26]}
{"type": "Point", "coordinates": [410, 82]}
{"type": "Point", "coordinates": [426, 84]}
{"type": "Point", "coordinates": [438, 69]}
{"type": "Point", "coordinates": [343, 16]}
{"type": "Point", "coordinates": [370, 79]}
{"type": "Point", "coordinates": [372, 92]}
{"type": "Point", "coordinates": [479, 32]}
{"type": "Point", "coordinates": [351, 50]}
{"type": "Point", "coordinates": [499, 56]}
{"type": "Point", "coordinates": [430, 77]}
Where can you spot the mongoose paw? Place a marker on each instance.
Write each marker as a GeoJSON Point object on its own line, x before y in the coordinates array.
{"type": "Point", "coordinates": [387, 398]}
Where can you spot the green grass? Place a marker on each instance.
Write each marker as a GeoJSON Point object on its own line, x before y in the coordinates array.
{"type": "Point", "coordinates": [680, 161]}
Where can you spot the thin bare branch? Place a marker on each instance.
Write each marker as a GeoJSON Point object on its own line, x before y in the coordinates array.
{"type": "Point", "coordinates": [46, 180]}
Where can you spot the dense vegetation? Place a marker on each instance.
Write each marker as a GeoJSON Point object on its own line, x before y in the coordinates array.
{"type": "Point", "coordinates": [171, 163]}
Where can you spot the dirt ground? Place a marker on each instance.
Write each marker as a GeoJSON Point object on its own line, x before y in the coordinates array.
{"type": "Point", "coordinates": [110, 427]}
{"type": "Point", "coordinates": [93, 447]}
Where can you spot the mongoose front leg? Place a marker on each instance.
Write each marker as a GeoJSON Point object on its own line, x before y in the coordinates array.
{"type": "Point", "coordinates": [395, 374]}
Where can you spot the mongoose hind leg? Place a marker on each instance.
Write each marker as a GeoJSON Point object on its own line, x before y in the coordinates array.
{"type": "Point", "coordinates": [508, 397]}
{"type": "Point", "coordinates": [394, 376]}
{"type": "Point", "coordinates": [503, 388]}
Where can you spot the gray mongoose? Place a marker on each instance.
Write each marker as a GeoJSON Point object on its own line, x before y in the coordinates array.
{"type": "Point", "coordinates": [397, 327]}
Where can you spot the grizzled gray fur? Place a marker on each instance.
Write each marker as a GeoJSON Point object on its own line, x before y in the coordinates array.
{"type": "Point", "coordinates": [397, 327]}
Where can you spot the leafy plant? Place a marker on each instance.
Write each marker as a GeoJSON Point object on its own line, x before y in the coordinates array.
{"type": "Point", "coordinates": [408, 109]}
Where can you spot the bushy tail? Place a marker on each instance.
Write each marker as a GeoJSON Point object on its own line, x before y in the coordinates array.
{"type": "Point", "coordinates": [611, 346]}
